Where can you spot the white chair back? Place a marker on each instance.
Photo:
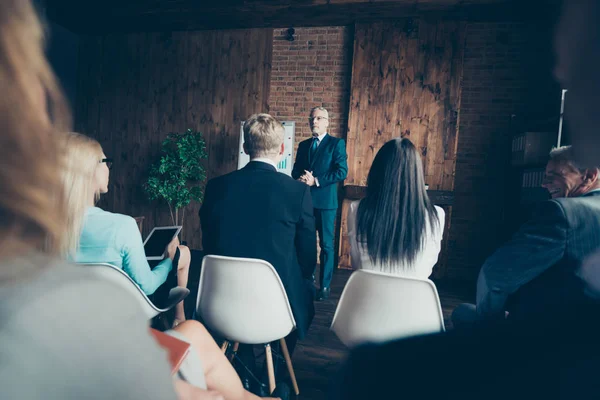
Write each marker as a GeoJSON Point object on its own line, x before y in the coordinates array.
{"type": "Point", "coordinates": [118, 277]}
{"type": "Point", "coordinates": [243, 300]}
{"type": "Point", "coordinates": [376, 307]}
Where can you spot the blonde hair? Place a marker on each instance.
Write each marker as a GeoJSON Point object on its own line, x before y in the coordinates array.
{"type": "Point", "coordinates": [32, 208]}
{"type": "Point", "coordinates": [82, 157]}
{"type": "Point", "coordinates": [263, 135]}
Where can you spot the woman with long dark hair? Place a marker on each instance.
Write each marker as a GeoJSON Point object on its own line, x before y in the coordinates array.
{"type": "Point", "coordinates": [396, 229]}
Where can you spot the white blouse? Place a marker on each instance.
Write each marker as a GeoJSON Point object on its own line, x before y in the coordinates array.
{"type": "Point", "coordinates": [423, 264]}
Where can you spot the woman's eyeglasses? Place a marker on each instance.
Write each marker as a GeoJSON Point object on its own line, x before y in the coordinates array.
{"type": "Point", "coordinates": [108, 161]}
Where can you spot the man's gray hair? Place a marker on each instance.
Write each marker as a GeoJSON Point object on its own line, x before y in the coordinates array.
{"type": "Point", "coordinates": [320, 108]}
{"type": "Point", "coordinates": [563, 153]}
{"type": "Point", "coordinates": [263, 135]}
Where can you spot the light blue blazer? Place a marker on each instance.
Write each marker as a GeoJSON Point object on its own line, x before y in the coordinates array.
{"type": "Point", "coordinates": [115, 239]}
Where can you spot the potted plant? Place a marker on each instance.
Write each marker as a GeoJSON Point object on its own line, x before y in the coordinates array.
{"type": "Point", "coordinates": [177, 176]}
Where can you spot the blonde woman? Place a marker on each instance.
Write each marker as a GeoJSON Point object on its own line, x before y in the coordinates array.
{"type": "Point", "coordinates": [66, 334]}
{"type": "Point", "coordinates": [96, 235]}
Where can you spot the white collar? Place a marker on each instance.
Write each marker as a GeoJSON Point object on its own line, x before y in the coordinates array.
{"type": "Point", "coordinates": [265, 160]}
{"type": "Point", "coordinates": [321, 137]}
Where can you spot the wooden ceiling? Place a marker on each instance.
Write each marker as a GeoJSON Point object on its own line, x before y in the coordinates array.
{"type": "Point", "coordinates": [105, 16]}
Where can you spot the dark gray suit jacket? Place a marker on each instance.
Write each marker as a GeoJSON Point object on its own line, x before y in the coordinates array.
{"type": "Point", "coordinates": [536, 270]}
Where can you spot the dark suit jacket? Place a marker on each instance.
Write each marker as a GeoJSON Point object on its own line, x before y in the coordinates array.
{"type": "Point", "coordinates": [328, 165]}
{"type": "Point", "coordinates": [257, 212]}
{"type": "Point", "coordinates": [537, 267]}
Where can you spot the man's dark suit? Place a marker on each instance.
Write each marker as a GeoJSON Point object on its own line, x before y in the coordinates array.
{"type": "Point", "coordinates": [257, 212]}
{"type": "Point", "coordinates": [328, 166]}
{"type": "Point", "coordinates": [536, 270]}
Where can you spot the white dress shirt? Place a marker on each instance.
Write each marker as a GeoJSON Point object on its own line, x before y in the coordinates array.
{"type": "Point", "coordinates": [421, 267]}
{"type": "Point", "coordinates": [320, 137]}
{"type": "Point", "coordinates": [265, 160]}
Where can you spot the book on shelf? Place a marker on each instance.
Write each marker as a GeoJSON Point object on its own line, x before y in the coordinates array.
{"type": "Point", "coordinates": [529, 148]}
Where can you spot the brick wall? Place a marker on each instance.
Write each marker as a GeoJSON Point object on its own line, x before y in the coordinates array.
{"type": "Point", "coordinates": [313, 70]}
{"type": "Point", "coordinates": [507, 86]}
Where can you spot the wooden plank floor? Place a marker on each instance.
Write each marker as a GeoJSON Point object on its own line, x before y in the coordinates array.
{"type": "Point", "coordinates": [319, 356]}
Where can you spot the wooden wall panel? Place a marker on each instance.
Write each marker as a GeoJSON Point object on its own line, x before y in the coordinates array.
{"type": "Point", "coordinates": [134, 89]}
{"type": "Point", "coordinates": [405, 83]}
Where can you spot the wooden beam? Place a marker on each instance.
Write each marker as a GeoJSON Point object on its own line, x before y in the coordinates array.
{"type": "Point", "coordinates": [95, 17]}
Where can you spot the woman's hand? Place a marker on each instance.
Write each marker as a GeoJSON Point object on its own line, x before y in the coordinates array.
{"type": "Point", "coordinates": [171, 248]}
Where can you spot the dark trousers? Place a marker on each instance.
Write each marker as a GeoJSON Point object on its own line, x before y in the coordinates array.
{"type": "Point", "coordinates": [325, 224]}
{"type": "Point", "coordinates": [246, 355]}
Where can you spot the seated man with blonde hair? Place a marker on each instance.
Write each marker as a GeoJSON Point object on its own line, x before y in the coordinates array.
{"type": "Point", "coordinates": [257, 212]}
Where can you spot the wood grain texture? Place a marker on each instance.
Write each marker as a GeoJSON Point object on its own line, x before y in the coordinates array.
{"type": "Point", "coordinates": [405, 83]}
{"type": "Point", "coordinates": [134, 89]}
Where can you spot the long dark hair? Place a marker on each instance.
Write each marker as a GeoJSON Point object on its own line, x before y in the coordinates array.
{"type": "Point", "coordinates": [392, 218]}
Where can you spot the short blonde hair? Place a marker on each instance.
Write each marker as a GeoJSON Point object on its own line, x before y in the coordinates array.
{"type": "Point", "coordinates": [32, 209]}
{"type": "Point", "coordinates": [263, 135]}
{"type": "Point", "coordinates": [82, 157]}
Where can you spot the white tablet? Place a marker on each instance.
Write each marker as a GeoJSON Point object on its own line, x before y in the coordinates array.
{"type": "Point", "coordinates": [157, 241]}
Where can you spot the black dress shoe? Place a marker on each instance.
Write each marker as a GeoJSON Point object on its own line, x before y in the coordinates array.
{"type": "Point", "coordinates": [283, 391]}
{"type": "Point", "coordinates": [323, 294]}
{"type": "Point", "coordinates": [247, 383]}
{"type": "Point", "coordinates": [260, 389]}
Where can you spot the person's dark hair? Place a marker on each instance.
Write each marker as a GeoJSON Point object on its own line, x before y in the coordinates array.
{"type": "Point", "coordinates": [392, 218]}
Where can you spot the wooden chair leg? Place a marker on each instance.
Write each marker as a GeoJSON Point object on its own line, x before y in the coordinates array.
{"type": "Point", "coordinates": [288, 362]}
{"type": "Point", "coordinates": [224, 346]}
{"type": "Point", "coordinates": [270, 369]}
{"type": "Point", "coordinates": [236, 346]}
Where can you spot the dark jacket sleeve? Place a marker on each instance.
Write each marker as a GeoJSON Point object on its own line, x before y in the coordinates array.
{"type": "Point", "coordinates": [205, 223]}
{"type": "Point", "coordinates": [339, 166]}
{"type": "Point", "coordinates": [538, 245]}
{"type": "Point", "coordinates": [298, 168]}
{"type": "Point", "coordinates": [306, 237]}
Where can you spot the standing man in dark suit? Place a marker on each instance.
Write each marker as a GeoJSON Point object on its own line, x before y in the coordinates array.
{"type": "Point", "coordinates": [321, 164]}
{"type": "Point", "coordinates": [257, 212]}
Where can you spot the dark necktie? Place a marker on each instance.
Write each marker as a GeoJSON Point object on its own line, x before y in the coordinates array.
{"type": "Point", "coordinates": [313, 148]}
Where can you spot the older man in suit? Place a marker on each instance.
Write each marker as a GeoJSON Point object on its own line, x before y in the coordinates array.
{"type": "Point", "coordinates": [536, 270]}
{"type": "Point", "coordinates": [321, 164]}
{"type": "Point", "coordinates": [257, 212]}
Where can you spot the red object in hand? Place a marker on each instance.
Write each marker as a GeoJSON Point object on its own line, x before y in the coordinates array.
{"type": "Point", "coordinates": [176, 349]}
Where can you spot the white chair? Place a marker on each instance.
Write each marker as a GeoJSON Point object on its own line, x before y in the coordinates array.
{"type": "Point", "coordinates": [243, 300]}
{"type": "Point", "coordinates": [117, 276]}
{"type": "Point", "coordinates": [376, 307]}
